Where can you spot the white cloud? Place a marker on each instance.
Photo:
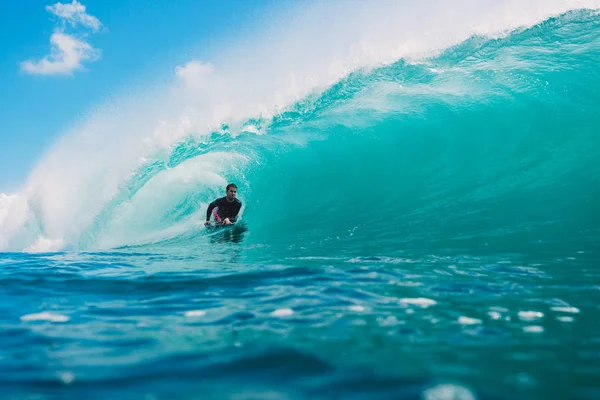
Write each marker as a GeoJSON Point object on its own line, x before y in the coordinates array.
{"type": "Point", "coordinates": [67, 55]}
{"type": "Point", "coordinates": [75, 14]}
{"type": "Point", "coordinates": [67, 52]}
{"type": "Point", "coordinates": [194, 72]}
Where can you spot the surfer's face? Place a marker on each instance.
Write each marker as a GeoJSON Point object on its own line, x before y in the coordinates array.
{"type": "Point", "coordinates": [231, 193]}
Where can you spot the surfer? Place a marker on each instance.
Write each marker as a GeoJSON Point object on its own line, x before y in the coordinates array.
{"type": "Point", "coordinates": [225, 209]}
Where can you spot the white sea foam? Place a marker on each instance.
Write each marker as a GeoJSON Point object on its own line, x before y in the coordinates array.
{"type": "Point", "coordinates": [565, 319]}
{"type": "Point", "coordinates": [530, 315]}
{"type": "Point", "coordinates": [448, 392]}
{"type": "Point", "coordinates": [468, 321]}
{"type": "Point", "coordinates": [533, 329]}
{"type": "Point", "coordinates": [67, 378]}
{"type": "Point", "coordinates": [45, 316]}
{"type": "Point", "coordinates": [420, 302]}
{"type": "Point", "coordinates": [357, 308]}
{"type": "Point", "coordinates": [494, 315]}
{"type": "Point", "coordinates": [572, 310]}
{"type": "Point", "coordinates": [283, 312]}
{"type": "Point", "coordinates": [195, 313]}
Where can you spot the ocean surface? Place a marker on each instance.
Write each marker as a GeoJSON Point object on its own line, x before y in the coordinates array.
{"type": "Point", "coordinates": [424, 229]}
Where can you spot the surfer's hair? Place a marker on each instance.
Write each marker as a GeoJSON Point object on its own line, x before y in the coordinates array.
{"type": "Point", "coordinates": [231, 185]}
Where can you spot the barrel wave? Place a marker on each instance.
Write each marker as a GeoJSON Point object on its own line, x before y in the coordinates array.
{"type": "Point", "coordinates": [420, 228]}
{"type": "Point", "coordinates": [490, 141]}
{"type": "Point", "coordinates": [492, 138]}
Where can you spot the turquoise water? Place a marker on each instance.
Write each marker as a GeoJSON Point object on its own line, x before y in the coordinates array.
{"type": "Point", "coordinates": [420, 230]}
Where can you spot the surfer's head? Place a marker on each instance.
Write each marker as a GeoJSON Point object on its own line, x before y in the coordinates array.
{"type": "Point", "coordinates": [231, 191]}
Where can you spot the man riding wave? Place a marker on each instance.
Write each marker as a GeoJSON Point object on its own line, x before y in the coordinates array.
{"type": "Point", "coordinates": [225, 209]}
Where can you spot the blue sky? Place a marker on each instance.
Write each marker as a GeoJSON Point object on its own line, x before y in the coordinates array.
{"type": "Point", "coordinates": [131, 42]}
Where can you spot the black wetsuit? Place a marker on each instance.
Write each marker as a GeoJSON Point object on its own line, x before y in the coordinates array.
{"type": "Point", "coordinates": [225, 209]}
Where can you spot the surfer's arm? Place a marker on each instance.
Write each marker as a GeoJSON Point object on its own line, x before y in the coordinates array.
{"type": "Point", "coordinates": [211, 207]}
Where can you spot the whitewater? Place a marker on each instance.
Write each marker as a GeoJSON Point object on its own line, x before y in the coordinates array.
{"type": "Point", "coordinates": [421, 216]}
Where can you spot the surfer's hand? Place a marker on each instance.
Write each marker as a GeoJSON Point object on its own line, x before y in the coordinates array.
{"type": "Point", "coordinates": [207, 223]}
{"type": "Point", "coordinates": [226, 221]}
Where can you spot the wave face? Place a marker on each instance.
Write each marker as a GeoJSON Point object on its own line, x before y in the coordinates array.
{"type": "Point", "coordinates": [493, 143]}
{"type": "Point", "coordinates": [466, 182]}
